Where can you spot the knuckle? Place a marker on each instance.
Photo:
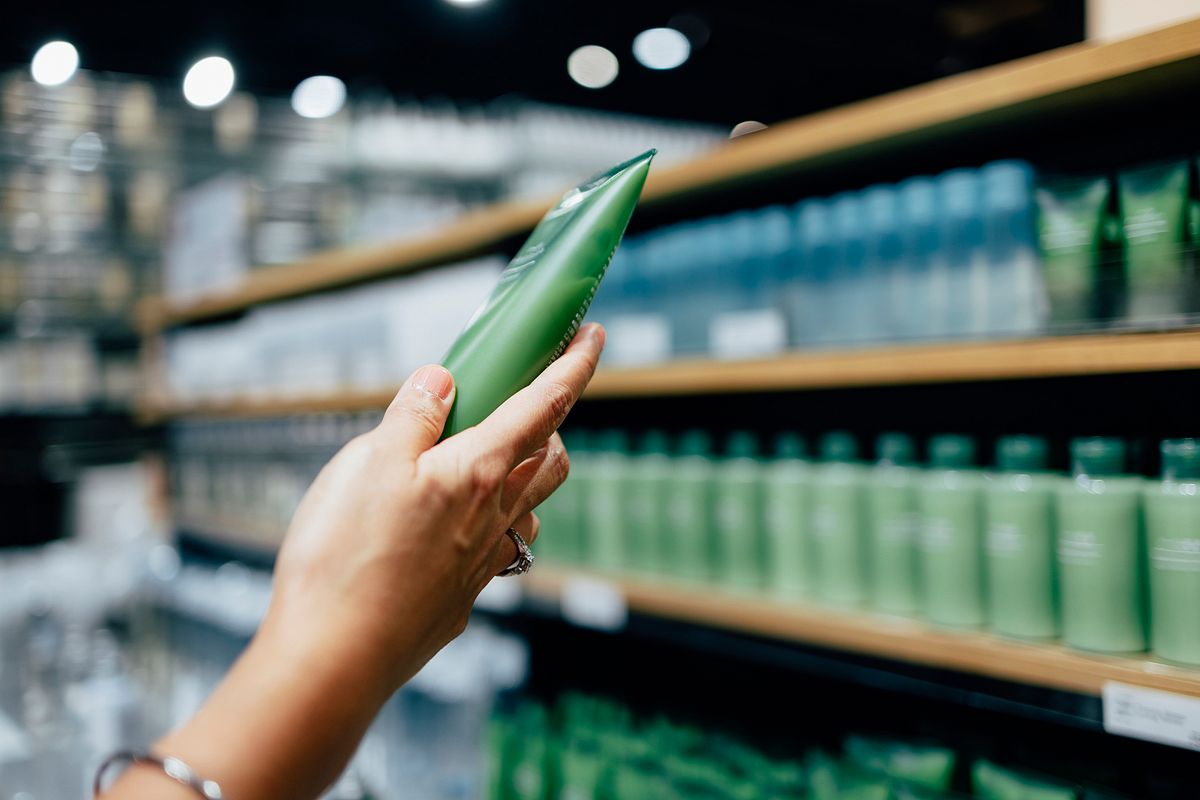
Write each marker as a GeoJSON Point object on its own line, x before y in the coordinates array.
{"type": "Point", "coordinates": [560, 466]}
{"type": "Point", "coordinates": [486, 477]}
{"type": "Point", "coordinates": [422, 414]}
{"type": "Point", "coordinates": [558, 398]}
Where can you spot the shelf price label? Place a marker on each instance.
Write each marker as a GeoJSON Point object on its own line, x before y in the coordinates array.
{"type": "Point", "coordinates": [593, 603]}
{"type": "Point", "coordinates": [1152, 715]}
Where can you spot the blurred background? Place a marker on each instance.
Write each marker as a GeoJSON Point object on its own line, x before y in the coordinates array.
{"type": "Point", "coordinates": [228, 231]}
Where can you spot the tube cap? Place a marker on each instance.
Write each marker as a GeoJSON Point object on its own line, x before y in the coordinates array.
{"type": "Point", "coordinates": [951, 451]}
{"type": "Point", "coordinates": [1097, 455]}
{"type": "Point", "coordinates": [1021, 453]}
{"type": "Point", "coordinates": [789, 445]}
{"type": "Point", "coordinates": [839, 446]}
{"type": "Point", "coordinates": [741, 444]}
{"type": "Point", "coordinates": [654, 442]}
{"type": "Point", "coordinates": [896, 448]}
{"type": "Point", "coordinates": [1180, 459]}
{"type": "Point", "coordinates": [695, 443]}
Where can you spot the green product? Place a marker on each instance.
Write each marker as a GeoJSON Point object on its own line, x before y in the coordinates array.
{"type": "Point", "coordinates": [1173, 544]}
{"type": "Point", "coordinates": [786, 499]}
{"type": "Point", "coordinates": [992, 782]}
{"type": "Point", "coordinates": [645, 510]}
{"type": "Point", "coordinates": [530, 760]}
{"type": "Point", "coordinates": [738, 513]}
{"type": "Point", "coordinates": [924, 766]}
{"type": "Point", "coordinates": [892, 525]}
{"type": "Point", "coordinates": [562, 512]}
{"type": "Point", "coordinates": [837, 545]}
{"type": "Point", "coordinates": [950, 499]}
{"type": "Point", "coordinates": [543, 294]}
{"type": "Point", "coordinates": [1154, 211]}
{"type": "Point", "coordinates": [1019, 509]}
{"type": "Point", "coordinates": [689, 540]}
{"type": "Point", "coordinates": [1099, 551]}
{"type": "Point", "coordinates": [1071, 217]}
{"type": "Point", "coordinates": [604, 500]}
{"type": "Point", "coordinates": [829, 780]}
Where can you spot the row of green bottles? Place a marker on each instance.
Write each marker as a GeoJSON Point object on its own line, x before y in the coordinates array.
{"type": "Point", "coordinates": [1104, 560]}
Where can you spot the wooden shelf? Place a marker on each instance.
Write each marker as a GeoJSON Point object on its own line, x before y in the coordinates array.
{"type": "Point", "coordinates": [1059, 81]}
{"type": "Point", "coordinates": [1047, 665]}
{"type": "Point", "coordinates": [882, 366]}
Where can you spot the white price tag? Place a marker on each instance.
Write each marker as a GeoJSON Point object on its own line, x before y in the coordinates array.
{"type": "Point", "coordinates": [500, 596]}
{"type": "Point", "coordinates": [747, 334]}
{"type": "Point", "coordinates": [1152, 715]}
{"type": "Point", "coordinates": [638, 339]}
{"type": "Point", "coordinates": [592, 603]}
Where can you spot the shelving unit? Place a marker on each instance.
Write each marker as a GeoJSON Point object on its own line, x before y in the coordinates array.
{"type": "Point", "coordinates": [1058, 82]}
{"type": "Point", "coordinates": [1049, 666]}
{"type": "Point", "coordinates": [1105, 354]}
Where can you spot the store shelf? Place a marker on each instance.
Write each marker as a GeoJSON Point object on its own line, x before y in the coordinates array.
{"type": "Point", "coordinates": [1042, 665]}
{"type": "Point", "coordinates": [1058, 81]}
{"type": "Point", "coordinates": [882, 366]}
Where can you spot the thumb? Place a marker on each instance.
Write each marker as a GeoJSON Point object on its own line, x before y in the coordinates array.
{"type": "Point", "coordinates": [417, 414]}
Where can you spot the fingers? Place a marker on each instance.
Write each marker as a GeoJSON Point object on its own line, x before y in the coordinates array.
{"type": "Point", "coordinates": [535, 478]}
{"type": "Point", "coordinates": [504, 549]}
{"type": "Point", "coordinates": [417, 414]}
{"type": "Point", "coordinates": [528, 418]}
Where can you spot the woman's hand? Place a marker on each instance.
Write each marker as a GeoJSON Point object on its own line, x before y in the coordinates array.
{"type": "Point", "coordinates": [379, 569]}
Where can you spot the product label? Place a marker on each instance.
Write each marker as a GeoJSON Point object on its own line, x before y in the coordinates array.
{"type": "Point", "coordinates": [1176, 555]}
{"type": "Point", "coordinates": [937, 535]}
{"type": "Point", "coordinates": [732, 515]}
{"type": "Point", "coordinates": [593, 603]}
{"type": "Point", "coordinates": [747, 334]}
{"type": "Point", "coordinates": [900, 529]}
{"type": "Point", "coordinates": [1005, 540]}
{"type": "Point", "coordinates": [1152, 715]}
{"type": "Point", "coordinates": [1145, 223]}
{"type": "Point", "coordinates": [1079, 548]}
{"type": "Point", "coordinates": [638, 339]}
{"type": "Point", "coordinates": [825, 522]}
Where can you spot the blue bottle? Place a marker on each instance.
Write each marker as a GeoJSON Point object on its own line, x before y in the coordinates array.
{"type": "Point", "coordinates": [961, 196]}
{"type": "Point", "coordinates": [852, 316]}
{"type": "Point", "coordinates": [1017, 302]}
{"type": "Point", "coordinates": [925, 287]}
{"type": "Point", "coordinates": [816, 256]}
{"type": "Point", "coordinates": [884, 265]}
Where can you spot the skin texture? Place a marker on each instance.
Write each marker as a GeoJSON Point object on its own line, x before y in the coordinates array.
{"type": "Point", "coordinates": [379, 570]}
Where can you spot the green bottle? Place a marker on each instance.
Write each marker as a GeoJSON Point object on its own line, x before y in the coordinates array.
{"type": "Point", "coordinates": [1173, 545]}
{"type": "Point", "coordinates": [951, 540]}
{"type": "Point", "coordinates": [1019, 510]}
{"type": "Point", "coordinates": [1100, 551]}
{"type": "Point", "coordinates": [786, 512]}
{"type": "Point", "coordinates": [645, 506]}
{"type": "Point", "coordinates": [892, 525]}
{"type": "Point", "coordinates": [604, 500]}
{"type": "Point", "coordinates": [561, 515]}
{"type": "Point", "coordinates": [738, 514]}
{"type": "Point", "coordinates": [689, 541]}
{"type": "Point", "coordinates": [543, 294]}
{"type": "Point", "coordinates": [837, 545]}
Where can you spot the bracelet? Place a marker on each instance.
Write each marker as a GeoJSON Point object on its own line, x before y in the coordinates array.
{"type": "Point", "coordinates": [170, 766]}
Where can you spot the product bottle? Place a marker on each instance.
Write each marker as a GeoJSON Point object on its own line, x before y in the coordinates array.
{"type": "Point", "coordinates": [604, 500]}
{"type": "Point", "coordinates": [816, 253]}
{"type": "Point", "coordinates": [886, 276]}
{"type": "Point", "coordinates": [738, 513]}
{"type": "Point", "coordinates": [1015, 292]}
{"type": "Point", "coordinates": [926, 300]}
{"type": "Point", "coordinates": [838, 545]}
{"type": "Point", "coordinates": [1071, 219]}
{"type": "Point", "coordinates": [1173, 543]}
{"type": "Point", "coordinates": [786, 502]}
{"type": "Point", "coordinates": [543, 294]}
{"type": "Point", "coordinates": [1019, 511]}
{"type": "Point", "coordinates": [961, 201]}
{"type": "Point", "coordinates": [689, 541]}
{"type": "Point", "coordinates": [1154, 213]}
{"type": "Point", "coordinates": [853, 315]}
{"type": "Point", "coordinates": [892, 526]}
{"type": "Point", "coordinates": [645, 503]}
{"type": "Point", "coordinates": [951, 539]}
{"type": "Point", "coordinates": [562, 515]}
{"type": "Point", "coordinates": [1100, 550]}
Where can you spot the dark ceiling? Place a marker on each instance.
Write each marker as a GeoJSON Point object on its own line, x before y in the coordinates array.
{"type": "Point", "coordinates": [762, 60]}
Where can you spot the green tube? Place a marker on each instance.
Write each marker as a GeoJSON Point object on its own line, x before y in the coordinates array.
{"type": "Point", "coordinates": [1071, 216]}
{"type": "Point", "coordinates": [786, 502]}
{"type": "Point", "coordinates": [837, 531]}
{"type": "Point", "coordinates": [1173, 542]}
{"type": "Point", "coordinates": [892, 525]}
{"type": "Point", "coordinates": [1154, 215]}
{"type": "Point", "coordinates": [543, 294]}
{"type": "Point", "coordinates": [738, 518]}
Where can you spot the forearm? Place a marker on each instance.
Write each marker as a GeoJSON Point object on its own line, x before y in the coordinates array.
{"type": "Point", "coordinates": [283, 723]}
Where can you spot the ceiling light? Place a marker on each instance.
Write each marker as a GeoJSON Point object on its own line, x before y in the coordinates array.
{"type": "Point", "coordinates": [319, 96]}
{"type": "Point", "coordinates": [661, 48]}
{"type": "Point", "coordinates": [208, 82]}
{"type": "Point", "coordinates": [54, 63]}
{"type": "Point", "coordinates": [593, 66]}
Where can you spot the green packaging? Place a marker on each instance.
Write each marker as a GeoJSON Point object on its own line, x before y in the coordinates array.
{"type": "Point", "coordinates": [892, 525]}
{"type": "Point", "coordinates": [992, 782]}
{"type": "Point", "coordinates": [838, 541]}
{"type": "Point", "coordinates": [604, 500]}
{"type": "Point", "coordinates": [829, 780]}
{"type": "Point", "coordinates": [1022, 580]}
{"type": "Point", "coordinates": [950, 498]}
{"type": "Point", "coordinates": [1173, 553]}
{"type": "Point", "coordinates": [543, 294]}
{"type": "Point", "coordinates": [561, 514]}
{"type": "Point", "coordinates": [738, 514]}
{"type": "Point", "coordinates": [1071, 219]}
{"type": "Point", "coordinates": [786, 501]}
{"type": "Point", "coordinates": [645, 510]}
{"type": "Point", "coordinates": [924, 766]}
{"type": "Point", "coordinates": [1100, 547]}
{"type": "Point", "coordinates": [1154, 212]}
{"type": "Point", "coordinates": [689, 541]}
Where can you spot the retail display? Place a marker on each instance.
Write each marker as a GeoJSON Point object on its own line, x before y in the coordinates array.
{"type": "Point", "coordinates": [1172, 509]}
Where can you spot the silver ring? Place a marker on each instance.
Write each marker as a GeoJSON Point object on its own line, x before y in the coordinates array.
{"type": "Point", "coordinates": [524, 560]}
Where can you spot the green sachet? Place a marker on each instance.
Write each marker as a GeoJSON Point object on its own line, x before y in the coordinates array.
{"type": "Point", "coordinates": [927, 766]}
{"type": "Point", "coordinates": [1071, 217]}
{"type": "Point", "coordinates": [992, 782]}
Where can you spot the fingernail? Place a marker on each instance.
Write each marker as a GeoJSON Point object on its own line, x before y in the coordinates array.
{"type": "Point", "coordinates": [595, 332]}
{"type": "Point", "coordinates": [435, 380]}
